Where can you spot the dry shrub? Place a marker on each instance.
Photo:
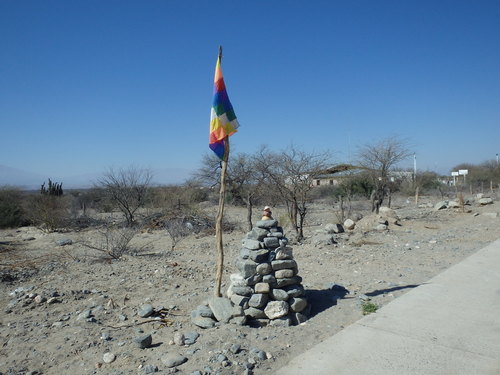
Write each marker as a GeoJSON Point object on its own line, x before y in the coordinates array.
{"type": "Point", "coordinates": [11, 211]}
{"type": "Point", "coordinates": [48, 212]}
{"type": "Point", "coordinates": [112, 242]}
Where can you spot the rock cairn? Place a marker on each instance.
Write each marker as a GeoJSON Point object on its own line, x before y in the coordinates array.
{"type": "Point", "coordinates": [268, 287]}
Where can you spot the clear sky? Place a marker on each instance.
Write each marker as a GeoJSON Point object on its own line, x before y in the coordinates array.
{"type": "Point", "coordinates": [90, 84]}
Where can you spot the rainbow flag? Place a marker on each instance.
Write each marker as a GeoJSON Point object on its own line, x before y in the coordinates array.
{"type": "Point", "coordinates": [223, 122]}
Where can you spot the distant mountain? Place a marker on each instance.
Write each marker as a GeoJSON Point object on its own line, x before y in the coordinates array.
{"type": "Point", "coordinates": [22, 179]}
{"type": "Point", "coordinates": [30, 180]}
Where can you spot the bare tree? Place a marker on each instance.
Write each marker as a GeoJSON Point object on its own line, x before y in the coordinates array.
{"type": "Point", "coordinates": [291, 174]}
{"type": "Point", "coordinates": [243, 181]}
{"type": "Point", "coordinates": [127, 189]}
{"type": "Point", "coordinates": [379, 159]}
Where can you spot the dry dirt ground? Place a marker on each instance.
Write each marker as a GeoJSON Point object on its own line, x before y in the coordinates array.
{"type": "Point", "coordinates": [94, 303]}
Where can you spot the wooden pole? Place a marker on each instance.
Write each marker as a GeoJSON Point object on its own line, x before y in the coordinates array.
{"type": "Point", "coordinates": [218, 222]}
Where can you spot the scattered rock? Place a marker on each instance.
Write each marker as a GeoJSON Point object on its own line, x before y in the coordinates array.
{"type": "Point", "coordinates": [64, 242]}
{"type": "Point", "coordinates": [485, 201]}
{"type": "Point", "coordinates": [441, 205]}
{"type": "Point", "coordinates": [145, 311]}
{"type": "Point", "coordinates": [108, 357]}
{"type": "Point", "coordinates": [221, 308]}
{"type": "Point", "coordinates": [349, 224]}
{"type": "Point", "coordinates": [173, 360]}
{"type": "Point", "coordinates": [143, 341]}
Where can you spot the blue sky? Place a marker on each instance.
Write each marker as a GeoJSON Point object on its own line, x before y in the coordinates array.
{"type": "Point", "coordinates": [88, 85]}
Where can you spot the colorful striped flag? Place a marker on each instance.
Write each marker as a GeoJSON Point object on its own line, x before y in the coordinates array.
{"type": "Point", "coordinates": [223, 122]}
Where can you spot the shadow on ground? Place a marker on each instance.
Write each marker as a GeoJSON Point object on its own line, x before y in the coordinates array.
{"type": "Point", "coordinates": [389, 290]}
{"type": "Point", "coordinates": [323, 299]}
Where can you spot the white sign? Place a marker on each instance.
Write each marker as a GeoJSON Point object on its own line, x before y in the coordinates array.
{"type": "Point", "coordinates": [463, 172]}
{"type": "Point", "coordinates": [454, 173]}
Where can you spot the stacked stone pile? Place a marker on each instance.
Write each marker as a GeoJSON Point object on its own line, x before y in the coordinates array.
{"type": "Point", "coordinates": [268, 287]}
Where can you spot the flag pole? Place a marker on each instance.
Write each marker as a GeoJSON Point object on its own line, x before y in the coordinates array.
{"type": "Point", "coordinates": [220, 213]}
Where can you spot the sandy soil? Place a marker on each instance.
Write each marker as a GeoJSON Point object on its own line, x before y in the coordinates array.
{"type": "Point", "coordinates": [94, 303]}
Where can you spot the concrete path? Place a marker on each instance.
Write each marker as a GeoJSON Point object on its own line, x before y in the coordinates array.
{"type": "Point", "coordinates": [450, 325]}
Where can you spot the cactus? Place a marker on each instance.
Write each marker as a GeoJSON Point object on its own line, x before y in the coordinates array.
{"type": "Point", "coordinates": [54, 189]}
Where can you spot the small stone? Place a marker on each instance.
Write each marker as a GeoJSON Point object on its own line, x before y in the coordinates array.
{"type": "Point", "coordinates": [203, 322]}
{"type": "Point", "coordinates": [264, 268]}
{"type": "Point", "coordinates": [485, 201]}
{"type": "Point", "coordinates": [221, 307]}
{"type": "Point", "coordinates": [294, 290]}
{"type": "Point", "coordinates": [108, 357]}
{"type": "Point", "coordinates": [105, 336]}
{"type": "Point", "coordinates": [283, 274]}
{"type": "Point", "coordinates": [349, 224]}
{"type": "Point", "coordinates": [262, 288]}
{"type": "Point", "coordinates": [297, 304]}
{"type": "Point", "coordinates": [279, 295]}
{"type": "Point", "coordinates": [280, 283]}
{"type": "Point", "coordinates": [282, 254]}
{"type": "Point", "coordinates": [190, 338]}
{"type": "Point", "coordinates": [237, 279]}
{"type": "Point", "coordinates": [85, 314]}
{"type": "Point", "coordinates": [441, 205]}
{"type": "Point", "coordinates": [270, 279]}
{"type": "Point", "coordinates": [283, 321]}
{"type": "Point", "coordinates": [258, 300]}
{"type": "Point", "coordinates": [266, 224]}
{"type": "Point", "coordinates": [239, 320]}
{"type": "Point", "coordinates": [247, 268]}
{"type": "Point", "coordinates": [271, 242]}
{"type": "Point", "coordinates": [276, 309]}
{"type": "Point", "coordinates": [173, 360]}
{"type": "Point", "coordinates": [64, 242]}
{"type": "Point", "coordinates": [257, 354]}
{"type": "Point", "coordinates": [255, 313]}
{"type": "Point", "coordinates": [240, 300]}
{"type": "Point", "coordinates": [203, 311]}
{"type": "Point", "coordinates": [257, 234]}
{"type": "Point", "coordinates": [259, 256]}
{"type": "Point", "coordinates": [252, 280]}
{"type": "Point", "coordinates": [53, 300]}
{"type": "Point", "coordinates": [149, 369]}
{"type": "Point", "coordinates": [179, 338]}
{"type": "Point", "coordinates": [251, 244]}
{"type": "Point", "coordinates": [144, 341]}
{"type": "Point", "coordinates": [40, 299]}
{"type": "Point", "coordinates": [242, 290]}
{"type": "Point", "coordinates": [221, 358]}
{"type": "Point", "coordinates": [282, 264]}
{"type": "Point", "coordinates": [235, 348]}
{"type": "Point", "coordinates": [145, 311]}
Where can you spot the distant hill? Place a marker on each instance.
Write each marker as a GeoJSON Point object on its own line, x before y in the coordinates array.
{"type": "Point", "coordinates": [22, 179]}
{"type": "Point", "coordinates": [30, 180]}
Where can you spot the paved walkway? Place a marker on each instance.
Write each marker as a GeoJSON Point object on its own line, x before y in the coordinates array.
{"type": "Point", "coordinates": [450, 325]}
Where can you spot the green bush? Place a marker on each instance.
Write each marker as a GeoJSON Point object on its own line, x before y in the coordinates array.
{"type": "Point", "coordinates": [11, 210]}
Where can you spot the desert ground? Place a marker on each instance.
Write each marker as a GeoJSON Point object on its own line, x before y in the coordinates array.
{"type": "Point", "coordinates": [66, 310]}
